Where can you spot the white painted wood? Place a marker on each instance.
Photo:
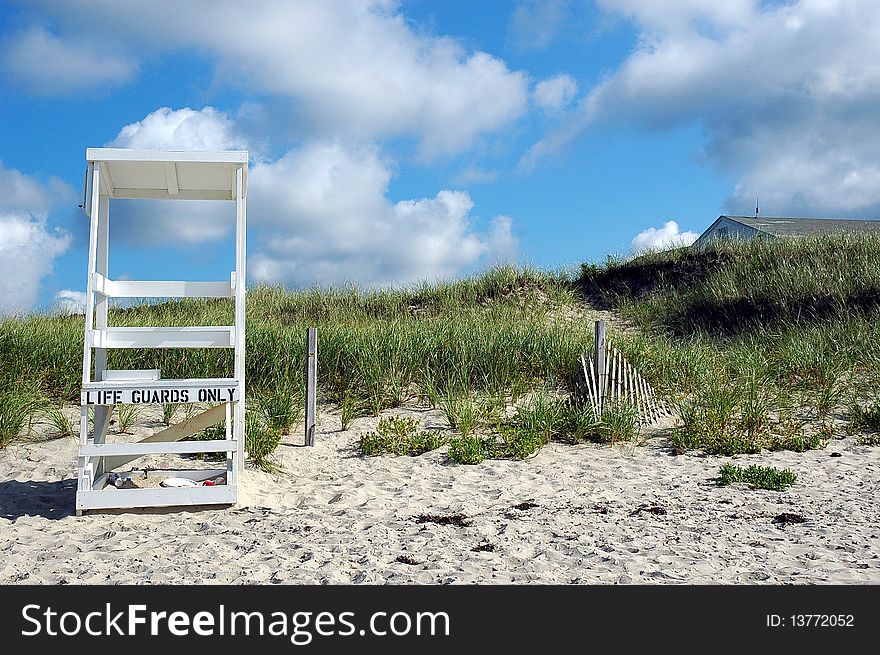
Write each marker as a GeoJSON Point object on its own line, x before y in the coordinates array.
{"type": "Point", "coordinates": [90, 289]}
{"type": "Point", "coordinates": [161, 288]}
{"type": "Point", "coordinates": [158, 448]}
{"type": "Point", "coordinates": [163, 174]}
{"type": "Point", "coordinates": [164, 383]}
{"type": "Point", "coordinates": [148, 392]}
{"type": "Point", "coordinates": [83, 425]}
{"type": "Point", "coordinates": [115, 375]}
{"type": "Point", "coordinates": [171, 178]}
{"type": "Point", "coordinates": [159, 497]}
{"type": "Point", "coordinates": [107, 187]}
{"type": "Point", "coordinates": [182, 194]}
{"type": "Point", "coordinates": [240, 268]}
{"type": "Point", "coordinates": [102, 258]}
{"type": "Point", "coordinates": [192, 156]}
{"type": "Point", "coordinates": [159, 174]}
{"type": "Point", "coordinates": [212, 336]}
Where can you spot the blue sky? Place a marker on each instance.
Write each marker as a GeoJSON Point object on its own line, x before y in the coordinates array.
{"type": "Point", "coordinates": [392, 142]}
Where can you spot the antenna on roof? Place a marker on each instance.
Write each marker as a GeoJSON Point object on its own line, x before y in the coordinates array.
{"type": "Point", "coordinates": [756, 208]}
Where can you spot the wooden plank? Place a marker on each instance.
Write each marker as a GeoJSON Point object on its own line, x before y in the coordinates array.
{"type": "Point", "coordinates": [161, 288]}
{"type": "Point", "coordinates": [102, 263]}
{"type": "Point", "coordinates": [131, 375]}
{"type": "Point", "coordinates": [599, 362]}
{"type": "Point", "coordinates": [212, 336]}
{"type": "Point", "coordinates": [182, 194]}
{"type": "Point", "coordinates": [146, 392]}
{"type": "Point", "coordinates": [618, 378]}
{"type": "Point", "coordinates": [90, 287]}
{"type": "Point", "coordinates": [311, 383]}
{"type": "Point", "coordinates": [240, 307]}
{"type": "Point", "coordinates": [164, 383]}
{"type": "Point", "coordinates": [107, 180]}
{"type": "Point", "coordinates": [588, 380]}
{"type": "Point", "coordinates": [224, 494]}
{"type": "Point", "coordinates": [597, 407]}
{"type": "Point", "coordinates": [158, 448]}
{"type": "Point", "coordinates": [219, 157]}
{"type": "Point", "coordinates": [190, 426]}
{"type": "Point", "coordinates": [171, 178]}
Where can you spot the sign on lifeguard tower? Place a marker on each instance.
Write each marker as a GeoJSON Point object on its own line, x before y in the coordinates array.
{"type": "Point", "coordinates": [159, 175]}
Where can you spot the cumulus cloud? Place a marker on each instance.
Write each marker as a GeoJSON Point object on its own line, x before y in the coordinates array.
{"type": "Point", "coordinates": [28, 246]}
{"type": "Point", "coordinates": [23, 193]}
{"type": "Point", "coordinates": [664, 238]}
{"type": "Point", "coordinates": [556, 92]}
{"type": "Point", "coordinates": [503, 246]}
{"type": "Point", "coordinates": [345, 68]}
{"type": "Point", "coordinates": [476, 175]}
{"type": "Point", "coordinates": [48, 65]}
{"type": "Point", "coordinates": [786, 94]}
{"type": "Point", "coordinates": [318, 214]}
{"type": "Point", "coordinates": [28, 249]}
{"type": "Point", "coordinates": [154, 221]}
{"type": "Point", "coordinates": [332, 223]}
{"type": "Point", "coordinates": [181, 129]}
{"type": "Point", "coordinates": [535, 25]}
{"type": "Point", "coordinates": [68, 301]}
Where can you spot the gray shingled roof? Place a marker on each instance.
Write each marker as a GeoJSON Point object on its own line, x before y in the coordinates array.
{"type": "Point", "coordinates": [786, 227]}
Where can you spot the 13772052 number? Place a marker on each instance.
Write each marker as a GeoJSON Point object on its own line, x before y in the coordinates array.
{"type": "Point", "coordinates": [821, 620]}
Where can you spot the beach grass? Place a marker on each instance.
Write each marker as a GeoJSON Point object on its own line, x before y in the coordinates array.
{"type": "Point", "coordinates": [759, 477]}
{"type": "Point", "coordinates": [759, 345]}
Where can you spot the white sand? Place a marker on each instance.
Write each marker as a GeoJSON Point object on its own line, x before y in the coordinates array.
{"type": "Point", "coordinates": [332, 516]}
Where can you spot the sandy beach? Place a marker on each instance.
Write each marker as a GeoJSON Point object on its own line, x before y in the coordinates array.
{"type": "Point", "coordinates": [571, 514]}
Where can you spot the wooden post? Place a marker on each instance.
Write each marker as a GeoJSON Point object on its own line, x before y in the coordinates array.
{"type": "Point", "coordinates": [599, 360]}
{"type": "Point", "coordinates": [311, 382]}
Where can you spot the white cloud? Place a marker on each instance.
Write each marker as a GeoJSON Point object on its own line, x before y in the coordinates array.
{"type": "Point", "coordinates": [503, 246]}
{"type": "Point", "coordinates": [476, 175]}
{"type": "Point", "coordinates": [145, 221]}
{"type": "Point", "coordinates": [536, 24]}
{"type": "Point", "coordinates": [318, 214]}
{"type": "Point", "coordinates": [332, 223]}
{"type": "Point", "coordinates": [47, 65]}
{"type": "Point", "coordinates": [181, 129]}
{"type": "Point", "coordinates": [347, 68]}
{"type": "Point", "coordinates": [28, 247]}
{"type": "Point", "coordinates": [556, 92]}
{"type": "Point", "coordinates": [684, 15]}
{"type": "Point", "coordinates": [663, 238]}
{"type": "Point", "coordinates": [68, 301]}
{"type": "Point", "coordinates": [23, 193]}
{"type": "Point", "coordinates": [786, 95]}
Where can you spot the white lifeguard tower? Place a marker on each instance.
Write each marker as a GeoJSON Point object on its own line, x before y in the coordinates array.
{"type": "Point", "coordinates": [159, 175]}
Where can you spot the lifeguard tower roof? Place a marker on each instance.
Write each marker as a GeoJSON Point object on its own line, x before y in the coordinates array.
{"type": "Point", "coordinates": [168, 174]}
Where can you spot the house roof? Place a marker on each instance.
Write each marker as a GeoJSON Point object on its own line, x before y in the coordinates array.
{"type": "Point", "coordinates": [804, 226]}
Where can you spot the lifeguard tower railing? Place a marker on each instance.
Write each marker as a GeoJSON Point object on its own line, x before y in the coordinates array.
{"type": "Point", "coordinates": [159, 175]}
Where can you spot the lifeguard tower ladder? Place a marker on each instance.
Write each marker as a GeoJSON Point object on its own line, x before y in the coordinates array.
{"type": "Point", "coordinates": [165, 175]}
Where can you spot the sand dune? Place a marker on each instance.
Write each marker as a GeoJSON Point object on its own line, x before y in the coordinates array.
{"type": "Point", "coordinates": [571, 514]}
